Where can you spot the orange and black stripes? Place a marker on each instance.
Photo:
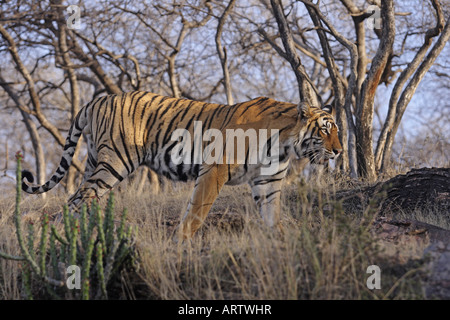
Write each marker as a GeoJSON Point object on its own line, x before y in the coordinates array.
{"type": "Point", "coordinates": [132, 129]}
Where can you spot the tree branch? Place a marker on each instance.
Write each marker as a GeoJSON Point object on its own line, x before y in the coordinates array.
{"type": "Point", "coordinates": [409, 90]}
{"type": "Point", "coordinates": [221, 51]}
{"type": "Point", "coordinates": [307, 90]}
{"type": "Point", "coordinates": [401, 81]}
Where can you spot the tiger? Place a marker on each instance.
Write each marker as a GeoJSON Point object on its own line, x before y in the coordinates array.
{"type": "Point", "coordinates": [125, 131]}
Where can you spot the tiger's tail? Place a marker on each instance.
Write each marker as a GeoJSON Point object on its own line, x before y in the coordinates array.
{"type": "Point", "coordinates": [73, 136]}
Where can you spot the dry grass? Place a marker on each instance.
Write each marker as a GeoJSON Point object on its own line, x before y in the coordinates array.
{"type": "Point", "coordinates": [323, 252]}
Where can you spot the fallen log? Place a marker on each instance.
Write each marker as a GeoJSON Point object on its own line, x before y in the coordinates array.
{"type": "Point", "coordinates": [419, 189]}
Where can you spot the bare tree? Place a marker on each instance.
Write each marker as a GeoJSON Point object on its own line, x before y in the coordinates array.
{"type": "Point", "coordinates": [399, 99]}
{"type": "Point", "coordinates": [361, 85]}
{"type": "Point", "coordinates": [320, 52]}
{"type": "Point", "coordinates": [342, 102]}
{"type": "Point", "coordinates": [66, 63]}
{"type": "Point", "coordinates": [307, 90]}
{"type": "Point", "coordinates": [31, 128]}
{"type": "Point", "coordinates": [174, 47]}
{"type": "Point", "coordinates": [222, 52]}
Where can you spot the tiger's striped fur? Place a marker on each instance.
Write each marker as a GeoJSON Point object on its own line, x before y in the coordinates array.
{"type": "Point", "coordinates": [132, 129]}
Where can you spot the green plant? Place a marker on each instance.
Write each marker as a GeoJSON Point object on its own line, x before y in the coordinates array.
{"type": "Point", "coordinates": [83, 235]}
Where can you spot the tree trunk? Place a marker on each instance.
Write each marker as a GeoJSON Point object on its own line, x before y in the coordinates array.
{"type": "Point", "coordinates": [342, 103]}
{"type": "Point", "coordinates": [32, 130]}
{"type": "Point", "coordinates": [74, 91]}
{"type": "Point", "coordinates": [222, 52]}
{"type": "Point", "coordinates": [396, 108]}
{"type": "Point", "coordinates": [34, 97]}
{"type": "Point", "coordinates": [408, 93]}
{"type": "Point", "coordinates": [307, 91]}
{"type": "Point", "coordinates": [37, 147]}
{"type": "Point", "coordinates": [365, 103]}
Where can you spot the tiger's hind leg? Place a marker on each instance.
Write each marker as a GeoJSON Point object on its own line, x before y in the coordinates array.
{"type": "Point", "coordinates": [91, 162]}
{"type": "Point", "coordinates": [103, 178]}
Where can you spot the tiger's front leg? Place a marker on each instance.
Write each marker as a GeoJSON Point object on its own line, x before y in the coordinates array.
{"type": "Point", "coordinates": [266, 192]}
{"type": "Point", "coordinates": [267, 196]}
{"type": "Point", "coordinates": [207, 187]}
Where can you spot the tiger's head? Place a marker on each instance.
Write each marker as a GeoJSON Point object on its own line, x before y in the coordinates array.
{"type": "Point", "coordinates": [319, 139]}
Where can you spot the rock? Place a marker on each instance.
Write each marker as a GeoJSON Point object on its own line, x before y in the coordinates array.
{"type": "Point", "coordinates": [407, 240]}
{"type": "Point", "coordinates": [437, 284]}
{"type": "Point", "coordinates": [401, 240]}
{"type": "Point", "coordinates": [395, 230]}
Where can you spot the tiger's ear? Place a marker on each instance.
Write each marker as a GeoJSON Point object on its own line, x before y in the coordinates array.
{"type": "Point", "coordinates": [329, 109]}
{"type": "Point", "coordinates": [304, 109]}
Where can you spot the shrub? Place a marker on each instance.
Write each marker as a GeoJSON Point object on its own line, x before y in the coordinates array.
{"type": "Point", "coordinates": [92, 247]}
